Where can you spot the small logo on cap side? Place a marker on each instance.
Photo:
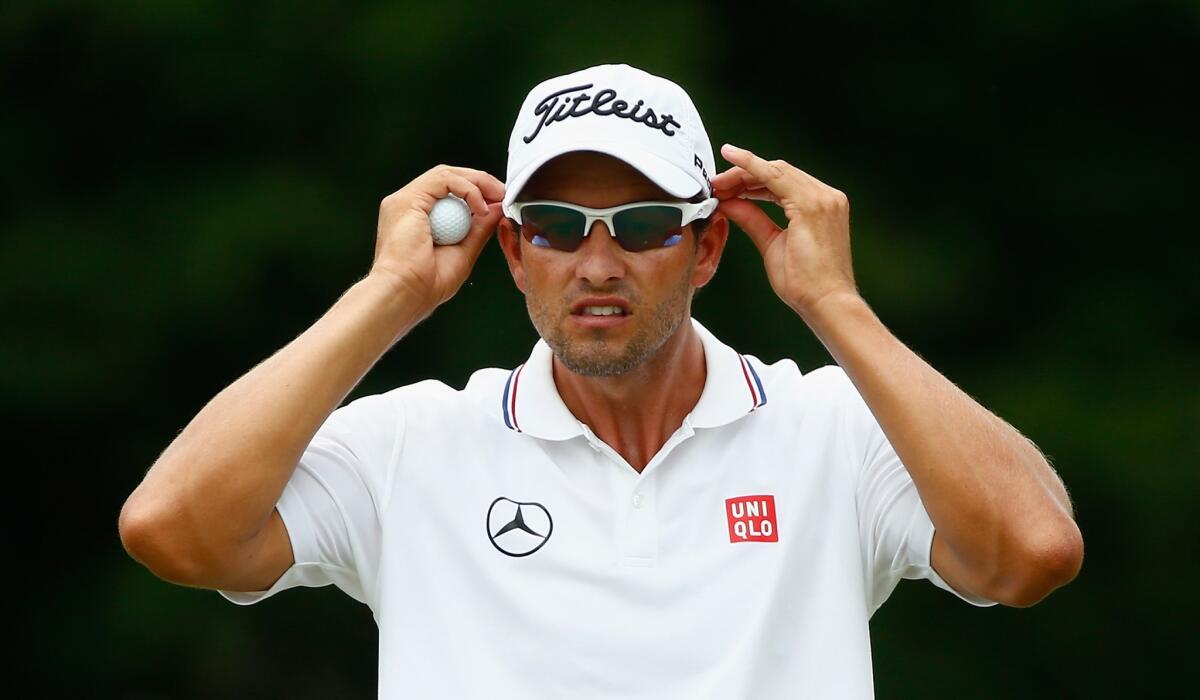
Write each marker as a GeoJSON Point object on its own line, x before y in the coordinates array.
{"type": "Point", "coordinates": [557, 107]}
{"type": "Point", "coordinates": [703, 172]}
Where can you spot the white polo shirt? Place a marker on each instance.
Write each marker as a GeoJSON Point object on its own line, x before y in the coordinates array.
{"type": "Point", "coordinates": [507, 552]}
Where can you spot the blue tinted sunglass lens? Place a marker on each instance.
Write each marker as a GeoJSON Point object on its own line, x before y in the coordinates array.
{"type": "Point", "coordinates": [645, 228]}
{"type": "Point", "coordinates": [551, 226]}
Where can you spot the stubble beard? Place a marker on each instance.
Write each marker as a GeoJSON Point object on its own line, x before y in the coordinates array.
{"type": "Point", "coordinates": [593, 357]}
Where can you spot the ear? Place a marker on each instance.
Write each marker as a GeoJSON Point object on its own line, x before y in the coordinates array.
{"type": "Point", "coordinates": [710, 246]}
{"type": "Point", "coordinates": [510, 243]}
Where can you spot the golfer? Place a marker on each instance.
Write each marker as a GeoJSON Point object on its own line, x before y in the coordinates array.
{"type": "Point", "coordinates": [638, 510]}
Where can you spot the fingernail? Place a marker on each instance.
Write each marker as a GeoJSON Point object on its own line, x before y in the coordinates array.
{"type": "Point", "coordinates": [731, 147]}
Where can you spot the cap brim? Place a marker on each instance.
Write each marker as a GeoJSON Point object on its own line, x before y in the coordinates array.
{"type": "Point", "coordinates": [666, 175]}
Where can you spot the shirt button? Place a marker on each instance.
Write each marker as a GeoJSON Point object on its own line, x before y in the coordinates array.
{"type": "Point", "coordinates": [637, 500]}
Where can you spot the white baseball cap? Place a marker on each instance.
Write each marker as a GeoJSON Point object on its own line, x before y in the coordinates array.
{"type": "Point", "coordinates": [647, 121]}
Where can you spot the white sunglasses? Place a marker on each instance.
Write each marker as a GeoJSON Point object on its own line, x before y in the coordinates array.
{"type": "Point", "coordinates": [636, 226]}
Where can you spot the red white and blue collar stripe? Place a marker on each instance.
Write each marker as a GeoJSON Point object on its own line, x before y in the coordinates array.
{"type": "Point", "coordinates": [530, 403]}
{"type": "Point", "coordinates": [758, 397]}
{"type": "Point", "coordinates": [508, 404]}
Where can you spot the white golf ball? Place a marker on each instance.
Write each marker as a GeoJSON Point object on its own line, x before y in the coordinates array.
{"type": "Point", "coordinates": [449, 220]}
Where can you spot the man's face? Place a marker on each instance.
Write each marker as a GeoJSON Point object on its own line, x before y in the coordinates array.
{"type": "Point", "coordinates": [652, 289]}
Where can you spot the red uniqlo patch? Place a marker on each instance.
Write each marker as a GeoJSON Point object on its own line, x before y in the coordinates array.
{"type": "Point", "coordinates": [752, 519]}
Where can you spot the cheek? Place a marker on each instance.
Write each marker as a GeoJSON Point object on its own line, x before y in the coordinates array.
{"type": "Point", "coordinates": [541, 278]}
{"type": "Point", "coordinates": [666, 277]}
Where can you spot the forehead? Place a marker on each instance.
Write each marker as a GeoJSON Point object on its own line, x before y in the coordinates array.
{"type": "Point", "coordinates": [591, 179]}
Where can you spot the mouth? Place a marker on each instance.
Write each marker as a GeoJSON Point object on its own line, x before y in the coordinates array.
{"type": "Point", "coordinates": [600, 312]}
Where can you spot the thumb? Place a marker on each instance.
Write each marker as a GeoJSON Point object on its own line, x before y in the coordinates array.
{"type": "Point", "coordinates": [751, 219]}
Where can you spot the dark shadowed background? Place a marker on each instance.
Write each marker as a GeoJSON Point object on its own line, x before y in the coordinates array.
{"type": "Point", "coordinates": [189, 185]}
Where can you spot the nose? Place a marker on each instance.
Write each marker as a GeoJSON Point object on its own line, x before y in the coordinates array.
{"type": "Point", "coordinates": [600, 257]}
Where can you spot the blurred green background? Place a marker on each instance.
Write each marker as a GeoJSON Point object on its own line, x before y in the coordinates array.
{"type": "Point", "coordinates": [189, 185]}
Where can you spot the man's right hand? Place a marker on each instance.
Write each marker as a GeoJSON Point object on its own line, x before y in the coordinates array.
{"type": "Point", "coordinates": [204, 515]}
{"type": "Point", "coordinates": [404, 249]}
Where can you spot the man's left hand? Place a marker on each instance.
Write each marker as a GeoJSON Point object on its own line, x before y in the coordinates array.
{"type": "Point", "coordinates": [810, 259]}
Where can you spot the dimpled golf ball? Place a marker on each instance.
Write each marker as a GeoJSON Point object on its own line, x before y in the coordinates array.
{"type": "Point", "coordinates": [450, 220]}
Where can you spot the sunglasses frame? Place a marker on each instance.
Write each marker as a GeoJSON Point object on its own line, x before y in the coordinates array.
{"type": "Point", "coordinates": [691, 212]}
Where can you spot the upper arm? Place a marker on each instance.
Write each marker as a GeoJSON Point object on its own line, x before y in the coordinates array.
{"type": "Point", "coordinates": [899, 539]}
{"type": "Point", "coordinates": [326, 526]}
{"type": "Point", "coordinates": [952, 570]}
{"type": "Point", "coordinates": [260, 561]}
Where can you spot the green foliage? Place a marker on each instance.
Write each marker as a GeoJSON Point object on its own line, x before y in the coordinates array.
{"type": "Point", "coordinates": [190, 184]}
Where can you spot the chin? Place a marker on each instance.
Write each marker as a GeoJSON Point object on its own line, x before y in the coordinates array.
{"type": "Point", "coordinates": [603, 353]}
{"type": "Point", "coordinates": [591, 364]}
{"type": "Point", "coordinates": [594, 355]}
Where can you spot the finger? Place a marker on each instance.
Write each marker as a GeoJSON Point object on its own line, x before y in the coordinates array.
{"type": "Point", "coordinates": [491, 188]}
{"type": "Point", "coordinates": [724, 180]}
{"type": "Point", "coordinates": [803, 184]}
{"type": "Point", "coordinates": [761, 195]}
{"type": "Point", "coordinates": [729, 192]}
{"type": "Point", "coordinates": [751, 219]}
{"type": "Point", "coordinates": [468, 191]}
{"type": "Point", "coordinates": [735, 180]}
{"type": "Point", "coordinates": [771, 174]}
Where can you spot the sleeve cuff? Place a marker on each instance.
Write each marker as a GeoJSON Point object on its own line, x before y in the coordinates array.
{"type": "Point", "coordinates": [927, 564]}
{"type": "Point", "coordinates": [302, 572]}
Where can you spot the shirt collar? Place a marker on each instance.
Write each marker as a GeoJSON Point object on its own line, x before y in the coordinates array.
{"type": "Point", "coordinates": [529, 402]}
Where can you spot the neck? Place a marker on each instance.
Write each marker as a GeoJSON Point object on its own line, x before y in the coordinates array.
{"type": "Point", "coordinates": [636, 412]}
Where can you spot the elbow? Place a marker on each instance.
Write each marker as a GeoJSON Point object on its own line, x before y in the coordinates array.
{"type": "Point", "coordinates": [1047, 562]}
{"type": "Point", "coordinates": [148, 537]}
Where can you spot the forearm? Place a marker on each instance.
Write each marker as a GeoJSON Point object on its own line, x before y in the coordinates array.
{"type": "Point", "coordinates": [216, 484]}
{"type": "Point", "coordinates": [990, 493]}
{"type": "Point", "coordinates": [1002, 517]}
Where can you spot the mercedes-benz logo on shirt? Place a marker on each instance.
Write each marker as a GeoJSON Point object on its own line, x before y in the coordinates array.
{"type": "Point", "coordinates": [518, 528]}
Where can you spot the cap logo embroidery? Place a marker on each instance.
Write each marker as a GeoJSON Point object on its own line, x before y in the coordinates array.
{"type": "Point", "coordinates": [752, 519]}
{"type": "Point", "coordinates": [557, 107]}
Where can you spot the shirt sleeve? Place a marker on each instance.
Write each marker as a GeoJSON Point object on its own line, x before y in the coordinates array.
{"type": "Point", "coordinates": [333, 503]}
{"type": "Point", "coordinates": [894, 527]}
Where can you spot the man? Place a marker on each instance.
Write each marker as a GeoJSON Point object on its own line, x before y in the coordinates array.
{"type": "Point", "coordinates": [638, 510]}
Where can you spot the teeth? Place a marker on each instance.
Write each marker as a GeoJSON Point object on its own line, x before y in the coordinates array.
{"type": "Point", "coordinates": [602, 311]}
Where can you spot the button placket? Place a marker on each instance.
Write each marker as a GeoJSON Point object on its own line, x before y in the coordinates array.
{"type": "Point", "coordinates": [637, 517]}
{"type": "Point", "coordinates": [641, 524]}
